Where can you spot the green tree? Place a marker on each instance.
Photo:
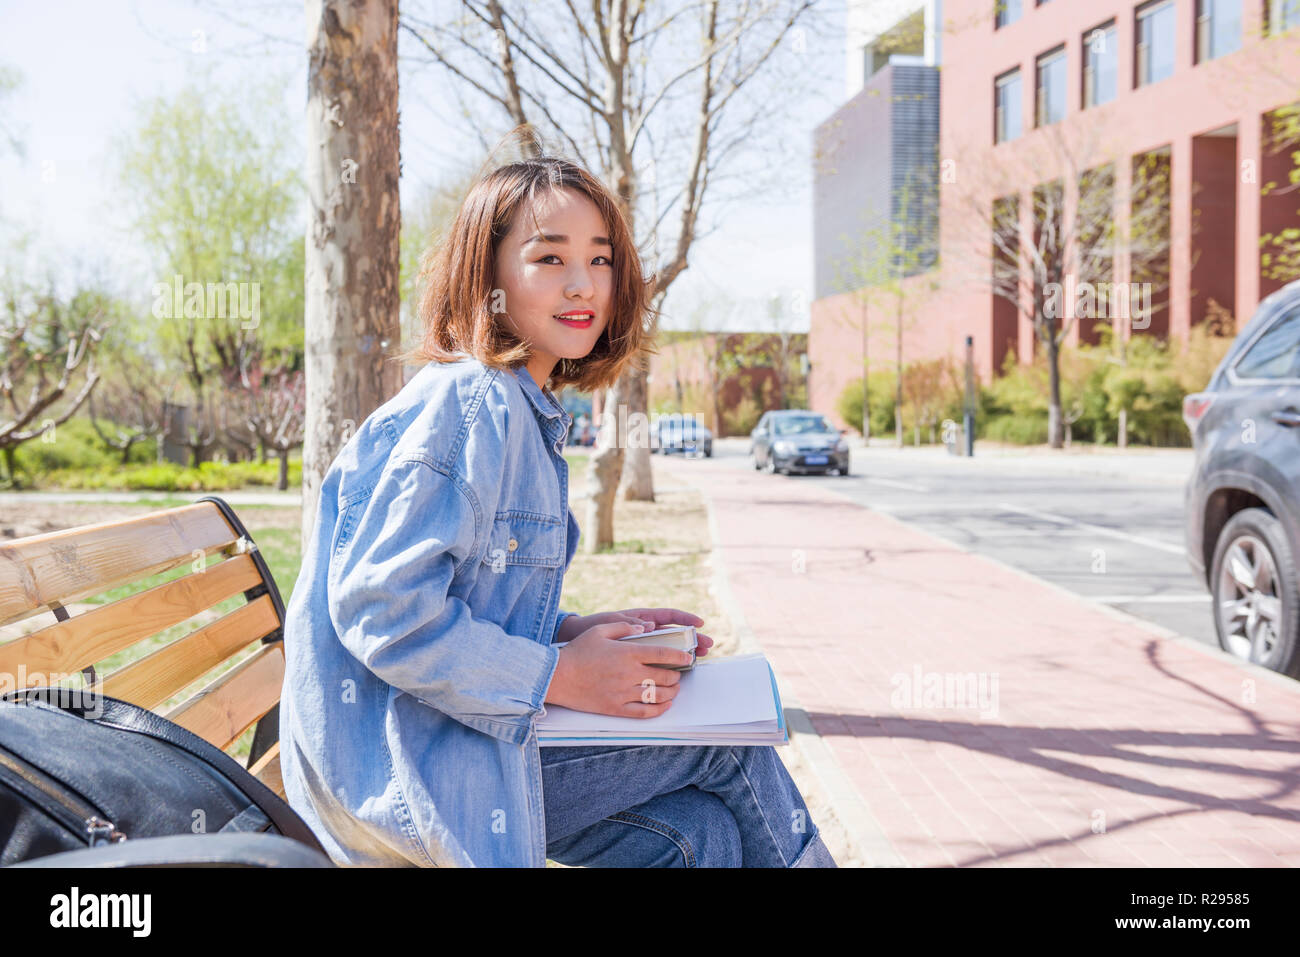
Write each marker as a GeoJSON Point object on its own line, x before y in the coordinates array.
{"type": "Point", "coordinates": [48, 343]}
{"type": "Point", "coordinates": [10, 80]}
{"type": "Point", "coordinates": [214, 195]}
{"type": "Point", "coordinates": [1279, 256]}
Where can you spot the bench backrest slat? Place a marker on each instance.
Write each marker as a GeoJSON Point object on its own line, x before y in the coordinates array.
{"type": "Point", "coordinates": [67, 647]}
{"type": "Point", "coordinates": [160, 675]}
{"type": "Point", "coordinates": [62, 567]}
{"type": "Point", "coordinates": [232, 703]}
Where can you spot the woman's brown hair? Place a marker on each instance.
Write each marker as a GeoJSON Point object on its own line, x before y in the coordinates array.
{"type": "Point", "coordinates": [457, 276]}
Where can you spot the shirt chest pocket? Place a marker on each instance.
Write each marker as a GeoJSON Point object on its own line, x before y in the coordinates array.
{"type": "Point", "coordinates": [518, 539]}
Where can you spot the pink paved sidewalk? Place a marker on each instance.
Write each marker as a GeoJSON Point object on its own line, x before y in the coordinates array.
{"type": "Point", "coordinates": [1099, 742]}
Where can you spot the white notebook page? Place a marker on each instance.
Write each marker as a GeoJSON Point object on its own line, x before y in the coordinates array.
{"type": "Point", "coordinates": [730, 691]}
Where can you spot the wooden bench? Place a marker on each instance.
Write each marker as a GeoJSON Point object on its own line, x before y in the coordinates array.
{"type": "Point", "coordinates": [188, 678]}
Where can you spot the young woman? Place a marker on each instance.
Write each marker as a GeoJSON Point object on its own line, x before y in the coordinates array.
{"type": "Point", "coordinates": [420, 634]}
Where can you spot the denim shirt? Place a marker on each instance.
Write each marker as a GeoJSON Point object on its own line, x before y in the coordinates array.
{"type": "Point", "coordinates": [418, 639]}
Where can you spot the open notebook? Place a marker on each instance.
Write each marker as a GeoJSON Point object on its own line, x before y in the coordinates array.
{"type": "Point", "coordinates": [728, 701]}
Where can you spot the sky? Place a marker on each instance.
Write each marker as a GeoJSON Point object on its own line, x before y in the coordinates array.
{"type": "Point", "coordinates": [86, 65]}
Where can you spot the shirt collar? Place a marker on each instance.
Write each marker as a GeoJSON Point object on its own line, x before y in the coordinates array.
{"type": "Point", "coordinates": [543, 400]}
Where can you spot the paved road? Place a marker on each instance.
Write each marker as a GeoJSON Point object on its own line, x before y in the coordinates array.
{"type": "Point", "coordinates": [1086, 525]}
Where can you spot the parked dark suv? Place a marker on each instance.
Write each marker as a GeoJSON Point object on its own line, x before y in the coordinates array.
{"type": "Point", "coordinates": [796, 440]}
{"type": "Point", "coordinates": [1243, 498]}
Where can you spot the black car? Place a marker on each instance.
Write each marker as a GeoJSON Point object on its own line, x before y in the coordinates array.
{"type": "Point", "coordinates": [682, 433]}
{"type": "Point", "coordinates": [796, 440]}
{"type": "Point", "coordinates": [1243, 497]}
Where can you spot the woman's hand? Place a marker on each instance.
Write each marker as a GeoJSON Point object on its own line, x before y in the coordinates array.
{"type": "Point", "coordinates": [600, 674]}
{"type": "Point", "coordinates": [649, 618]}
{"type": "Point", "coordinates": [575, 625]}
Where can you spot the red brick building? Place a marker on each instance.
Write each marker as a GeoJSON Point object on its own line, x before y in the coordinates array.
{"type": "Point", "coordinates": [715, 375]}
{"type": "Point", "coordinates": [1061, 88]}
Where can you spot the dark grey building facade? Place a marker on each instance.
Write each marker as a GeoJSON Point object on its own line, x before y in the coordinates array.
{"type": "Point", "coordinates": [876, 181]}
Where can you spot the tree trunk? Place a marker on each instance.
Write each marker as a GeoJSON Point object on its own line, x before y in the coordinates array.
{"type": "Point", "coordinates": [283, 455]}
{"type": "Point", "coordinates": [604, 470]}
{"type": "Point", "coordinates": [1121, 439]}
{"type": "Point", "coordinates": [1055, 435]}
{"type": "Point", "coordinates": [354, 221]}
{"type": "Point", "coordinates": [866, 382]}
{"type": "Point", "coordinates": [898, 391]}
{"type": "Point", "coordinates": [638, 480]}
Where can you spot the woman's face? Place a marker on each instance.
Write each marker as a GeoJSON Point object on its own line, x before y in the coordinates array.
{"type": "Point", "coordinates": [566, 268]}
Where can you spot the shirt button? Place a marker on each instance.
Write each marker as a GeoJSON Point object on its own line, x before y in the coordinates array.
{"type": "Point", "coordinates": [511, 545]}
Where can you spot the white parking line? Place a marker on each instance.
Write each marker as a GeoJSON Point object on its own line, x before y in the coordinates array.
{"type": "Point", "coordinates": [892, 507]}
{"type": "Point", "coordinates": [1096, 529]}
{"type": "Point", "coordinates": [1151, 599]}
{"type": "Point", "coordinates": [894, 483]}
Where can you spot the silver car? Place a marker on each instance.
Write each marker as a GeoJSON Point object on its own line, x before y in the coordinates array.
{"type": "Point", "coordinates": [796, 440]}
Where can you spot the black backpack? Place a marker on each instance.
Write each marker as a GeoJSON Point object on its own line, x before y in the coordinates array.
{"type": "Point", "coordinates": [81, 770]}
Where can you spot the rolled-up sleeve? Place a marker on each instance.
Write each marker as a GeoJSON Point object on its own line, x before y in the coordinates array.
{"type": "Point", "coordinates": [391, 571]}
{"type": "Point", "coordinates": [560, 621]}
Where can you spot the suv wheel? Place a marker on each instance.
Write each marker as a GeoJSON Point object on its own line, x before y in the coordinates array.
{"type": "Point", "coordinates": [1256, 601]}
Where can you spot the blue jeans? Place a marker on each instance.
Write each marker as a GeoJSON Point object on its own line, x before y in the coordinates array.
{"type": "Point", "coordinates": [676, 806]}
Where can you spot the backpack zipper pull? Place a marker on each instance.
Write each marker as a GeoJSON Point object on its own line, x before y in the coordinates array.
{"type": "Point", "coordinates": [103, 832]}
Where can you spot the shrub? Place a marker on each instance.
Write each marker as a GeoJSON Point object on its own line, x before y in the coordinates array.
{"type": "Point", "coordinates": [883, 387]}
{"type": "Point", "coordinates": [932, 391]}
{"type": "Point", "coordinates": [1017, 429]}
{"type": "Point", "coordinates": [170, 477]}
{"type": "Point", "coordinates": [1149, 383]}
{"type": "Point", "coordinates": [72, 445]}
{"type": "Point", "coordinates": [742, 419]}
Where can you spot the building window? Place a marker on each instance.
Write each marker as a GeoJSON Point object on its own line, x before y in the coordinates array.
{"type": "Point", "coordinates": [1050, 92]}
{"type": "Point", "coordinates": [1006, 247]}
{"type": "Point", "coordinates": [1008, 100]}
{"type": "Point", "coordinates": [1100, 65]}
{"type": "Point", "coordinates": [1155, 42]}
{"type": "Point", "coordinates": [1281, 14]}
{"type": "Point", "coordinates": [1005, 12]}
{"type": "Point", "coordinates": [1218, 28]}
